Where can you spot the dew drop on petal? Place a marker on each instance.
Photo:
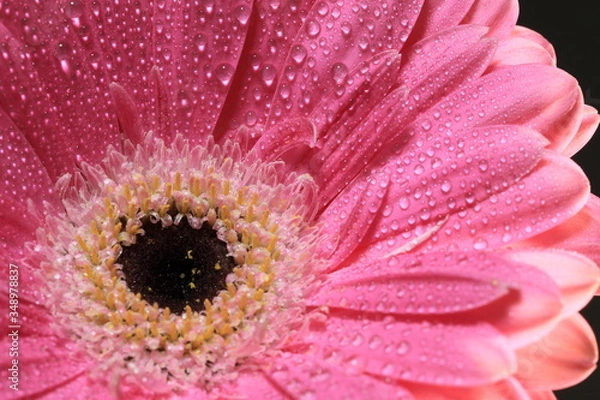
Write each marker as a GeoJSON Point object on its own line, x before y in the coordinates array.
{"type": "Point", "coordinates": [224, 73]}
{"type": "Point", "coordinates": [404, 203]}
{"type": "Point", "coordinates": [200, 42]}
{"type": "Point", "coordinates": [339, 72]}
{"type": "Point", "coordinates": [74, 9]}
{"type": "Point", "coordinates": [403, 348]}
{"type": "Point", "coordinates": [483, 165]}
{"type": "Point", "coordinates": [480, 244]}
{"type": "Point", "coordinates": [242, 14]}
{"type": "Point", "coordinates": [312, 27]}
{"type": "Point", "coordinates": [299, 54]}
{"type": "Point", "coordinates": [446, 186]}
{"type": "Point", "coordinates": [268, 74]}
{"type": "Point", "coordinates": [346, 28]}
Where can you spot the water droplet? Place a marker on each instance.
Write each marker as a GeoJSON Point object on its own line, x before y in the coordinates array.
{"type": "Point", "coordinates": [339, 71]}
{"type": "Point", "coordinates": [61, 52]}
{"type": "Point", "coordinates": [242, 14]}
{"type": "Point", "coordinates": [404, 203]}
{"type": "Point", "coordinates": [32, 35]}
{"type": "Point", "coordinates": [200, 42]}
{"type": "Point", "coordinates": [299, 54]}
{"type": "Point", "coordinates": [375, 342]}
{"type": "Point", "coordinates": [358, 340]}
{"type": "Point", "coordinates": [483, 165]}
{"type": "Point", "coordinates": [426, 125]}
{"type": "Point", "coordinates": [312, 27]}
{"type": "Point", "coordinates": [446, 186]}
{"type": "Point", "coordinates": [403, 348]}
{"type": "Point", "coordinates": [224, 73]}
{"type": "Point", "coordinates": [74, 9]}
{"type": "Point", "coordinates": [346, 28]}
{"type": "Point", "coordinates": [268, 74]}
{"type": "Point", "coordinates": [323, 9]}
{"type": "Point", "coordinates": [480, 244]}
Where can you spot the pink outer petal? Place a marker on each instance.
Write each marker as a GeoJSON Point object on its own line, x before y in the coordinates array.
{"type": "Point", "coordinates": [507, 389]}
{"type": "Point", "coordinates": [438, 15]}
{"type": "Point", "coordinates": [305, 376]}
{"type": "Point", "coordinates": [540, 97]}
{"type": "Point", "coordinates": [424, 352]}
{"type": "Point", "coordinates": [553, 192]}
{"type": "Point", "coordinates": [499, 15]}
{"type": "Point", "coordinates": [533, 36]}
{"type": "Point", "coordinates": [336, 38]}
{"type": "Point", "coordinates": [378, 121]}
{"type": "Point", "coordinates": [579, 233]}
{"type": "Point", "coordinates": [577, 276]}
{"type": "Point", "coordinates": [515, 50]}
{"type": "Point", "coordinates": [45, 366]}
{"type": "Point", "coordinates": [541, 395]}
{"type": "Point", "coordinates": [440, 175]}
{"type": "Point", "coordinates": [586, 130]}
{"type": "Point", "coordinates": [249, 385]}
{"type": "Point", "coordinates": [419, 284]}
{"type": "Point", "coordinates": [565, 357]}
{"type": "Point", "coordinates": [34, 86]}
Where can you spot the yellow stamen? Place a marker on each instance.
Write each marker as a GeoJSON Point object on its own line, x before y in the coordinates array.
{"type": "Point", "coordinates": [177, 183]}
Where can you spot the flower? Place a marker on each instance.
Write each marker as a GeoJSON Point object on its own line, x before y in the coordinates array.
{"type": "Point", "coordinates": [287, 199]}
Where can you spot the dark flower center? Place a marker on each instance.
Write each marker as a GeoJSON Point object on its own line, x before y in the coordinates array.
{"type": "Point", "coordinates": [176, 266]}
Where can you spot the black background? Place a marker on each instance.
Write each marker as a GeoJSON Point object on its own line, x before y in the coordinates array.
{"type": "Point", "coordinates": [572, 26]}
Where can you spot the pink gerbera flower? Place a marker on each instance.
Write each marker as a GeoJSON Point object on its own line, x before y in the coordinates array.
{"type": "Point", "coordinates": [286, 199]}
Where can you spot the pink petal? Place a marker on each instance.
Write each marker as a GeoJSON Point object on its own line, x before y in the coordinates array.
{"type": "Point", "coordinates": [539, 97]}
{"type": "Point", "coordinates": [541, 395]}
{"type": "Point", "coordinates": [516, 298]}
{"type": "Point", "coordinates": [305, 376]}
{"type": "Point", "coordinates": [73, 56]}
{"type": "Point", "coordinates": [271, 30]}
{"type": "Point", "coordinates": [44, 365]}
{"type": "Point", "coordinates": [292, 134]}
{"type": "Point", "coordinates": [563, 358]}
{"type": "Point", "coordinates": [420, 284]}
{"type": "Point", "coordinates": [127, 114]}
{"type": "Point", "coordinates": [252, 384]}
{"type": "Point", "coordinates": [499, 15]}
{"type": "Point", "coordinates": [24, 176]}
{"type": "Point", "coordinates": [577, 277]}
{"type": "Point", "coordinates": [516, 49]}
{"type": "Point", "coordinates": [504, 390]}
{"type": "Point", "coordinates": [348, 218]}
{"type": "Point", "coordinates": [356, 138]}
{"type": "Point", "coordinates": [553, 192]}
{"type": "Point", "coordinates": [353, 35]}
{"type": "Point", "coordinates": [57, 136]}
{"type": "Point", "coordinates": [425, 352]}
{"type": "Point", "coordinates": [437, 16]}
{"type": "Point", "coordinates": [533, 36]}
{"type": "Point", "coordinates": [579, 233]}
{"type": "Point", "coordinates": [344, 148]}
{"type": "Point", "coordinates": [588, 127]}
{"type": "Point", "coordinates": [439, 64]}
{"type": "Point", "coordinates": [440, 175]}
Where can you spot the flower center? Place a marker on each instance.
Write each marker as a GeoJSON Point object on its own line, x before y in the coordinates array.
{"type": "Point", "coordinates": [176, 266]}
